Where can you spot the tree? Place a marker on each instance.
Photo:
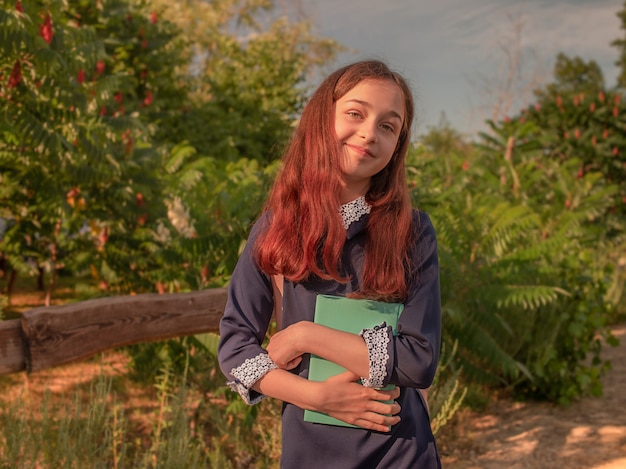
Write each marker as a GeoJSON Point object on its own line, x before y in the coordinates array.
{"type": "Point", "coordinates": [246, 88]}
{"type": "Point", "coordinates": [576, 116]}
{"type": "Point", "coordinates": [516, 74]}
{"type": "Point", "coordinates": [157, 116]}
{"type": "Point", "coordinates": [57, 154]}
{"type": "Point", "coordinates": [620, 44]}
{"type": "Point", "coordinates": [249, 66]}
{"type": "Point", "coordinates": [573, 75]}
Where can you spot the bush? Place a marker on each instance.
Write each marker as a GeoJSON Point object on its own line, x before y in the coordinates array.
{"type": "Point", "coordinates": [523, 260]}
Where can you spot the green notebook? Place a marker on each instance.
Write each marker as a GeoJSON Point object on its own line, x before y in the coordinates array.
{"type": "Point", "coordinates": [348, 315]}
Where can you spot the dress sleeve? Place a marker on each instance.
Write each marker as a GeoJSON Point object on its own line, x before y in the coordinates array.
{"type": "Point", "coordinates": [244, 324]}
{"type": "Point", "coordinates": [412, 355]}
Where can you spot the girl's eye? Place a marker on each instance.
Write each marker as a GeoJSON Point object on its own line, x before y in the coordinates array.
{"type": "Point", "coordinates": [354, 114]}
{"type": "Point", "coordinates": [387, 127]}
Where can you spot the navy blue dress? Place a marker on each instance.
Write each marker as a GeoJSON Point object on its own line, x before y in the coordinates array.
{"type": "Point", "coordinates": [410, 359]}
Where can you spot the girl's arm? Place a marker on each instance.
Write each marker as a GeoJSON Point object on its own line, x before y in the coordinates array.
{"type": "Point", "coordinates": [340, 397]}
{"type": "Point", "coordinates": [348, 350]}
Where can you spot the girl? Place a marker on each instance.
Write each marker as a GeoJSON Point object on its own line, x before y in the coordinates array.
{"type": "Point", "coordinates": [339, 222]}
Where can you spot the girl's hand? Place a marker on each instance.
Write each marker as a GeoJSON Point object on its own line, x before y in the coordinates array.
{"type": "Point", "coordinates": [287, 346]}
{"type": "Point", "coordinates": [343, 398]}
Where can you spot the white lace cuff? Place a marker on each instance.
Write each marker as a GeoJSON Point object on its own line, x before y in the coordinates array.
{"type": "Point", "coordinates": [248, 373]}
{"type": "Point", "coordinates": [377, 340]}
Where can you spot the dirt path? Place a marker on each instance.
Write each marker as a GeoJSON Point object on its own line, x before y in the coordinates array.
{"type": "Point", "coordinates": [588, 434]}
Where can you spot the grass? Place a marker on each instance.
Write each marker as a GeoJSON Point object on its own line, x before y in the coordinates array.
{"type": "Point", "coordinates": [102, 424]}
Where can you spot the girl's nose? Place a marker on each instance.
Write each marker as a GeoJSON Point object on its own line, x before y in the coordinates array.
{"type": "Point", "coordinates": [367, 131]}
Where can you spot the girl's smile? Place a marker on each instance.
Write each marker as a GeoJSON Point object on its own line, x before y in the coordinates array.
{"type": "Point", "coordinates": [360, 150]}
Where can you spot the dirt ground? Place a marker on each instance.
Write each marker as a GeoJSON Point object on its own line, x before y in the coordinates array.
{"type": "Point", "coordinates": [588, 434]}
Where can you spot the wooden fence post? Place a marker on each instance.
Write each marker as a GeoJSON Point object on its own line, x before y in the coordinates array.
{"type": "Point", "coordinates": [12, 343]}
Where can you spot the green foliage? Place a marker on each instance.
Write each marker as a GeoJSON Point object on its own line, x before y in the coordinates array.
{"type": "Point", "coordinates": [447, 393]}
{"type": "Point", "coordinates": [578, 119]}
{"type": "Point", "coordinates": [70, 169]}
{"type": "Point", "coordinates": [132, 115]}
{"type": "Point", "coordinates": [573, 75]}
{"type": "Point", "coordinates": [561, 170]}
{"type": "Point", "coordinates": [249, 67]}
{"type": "Point", "coordinates": [620, 44]}
{"type": "Point", "coordinates": [522, 281]}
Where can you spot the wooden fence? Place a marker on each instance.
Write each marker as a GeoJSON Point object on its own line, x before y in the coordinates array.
{"type": "Point", "coordinates": [51, 336]}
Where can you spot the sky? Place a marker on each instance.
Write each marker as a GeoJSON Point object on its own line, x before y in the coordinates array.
{"type": "Point", "coordinates": [454, 52]}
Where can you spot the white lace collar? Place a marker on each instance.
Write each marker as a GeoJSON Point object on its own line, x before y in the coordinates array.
{"type": "Point", "coordinates": [353, 211]}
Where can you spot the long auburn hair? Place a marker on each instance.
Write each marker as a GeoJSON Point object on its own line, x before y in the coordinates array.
{"type": "Point", "coordinates": [305, 235]}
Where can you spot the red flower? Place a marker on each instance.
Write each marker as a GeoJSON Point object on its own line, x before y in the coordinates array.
{"type": "Point", "coordinates": [129, 145]}
{"type": "Point", "coordinates": [80, 77]}
{"type": "Point", "coordinates": [100, 66]}
{"type": "Point", "coordinates": [16, 75]}
{"type": "Point", "coordinates": [592, 107]}
{"type": "Point", "coordinates": [140, 200]}
{"type": "Point", "coordinates": [615, 112]}
{"type": "Point", "coordinates": [118, 97]}
{"type": "Point", "coordinates": [615, 151]}
{"type": "Point", "coordinates": [154, 17]}
{"type": "Point", "coordinates": [103, 111]}
{"type": "Point", "coordinates": [465, 165]}
{"type": "Point", "coordinates": [104, 235]}
{"type": "Point", "coordinates": [73, 192]}
{"type": "Point", "coordinates": [537, 107]}
{"type": "Point", "coordinates": [45, 30]}
{"type": "Point", "coordinates": [601, 96]}
{"type": "Point", "coordinates": [148, 99]}
{"type": "Point", "coordinates": [144, 44]}
{"type": "Point", "coordinates": [18, 6]}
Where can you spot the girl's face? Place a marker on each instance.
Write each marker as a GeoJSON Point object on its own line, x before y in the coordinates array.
{"type": "Point", "coordinates": [368, 122]}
